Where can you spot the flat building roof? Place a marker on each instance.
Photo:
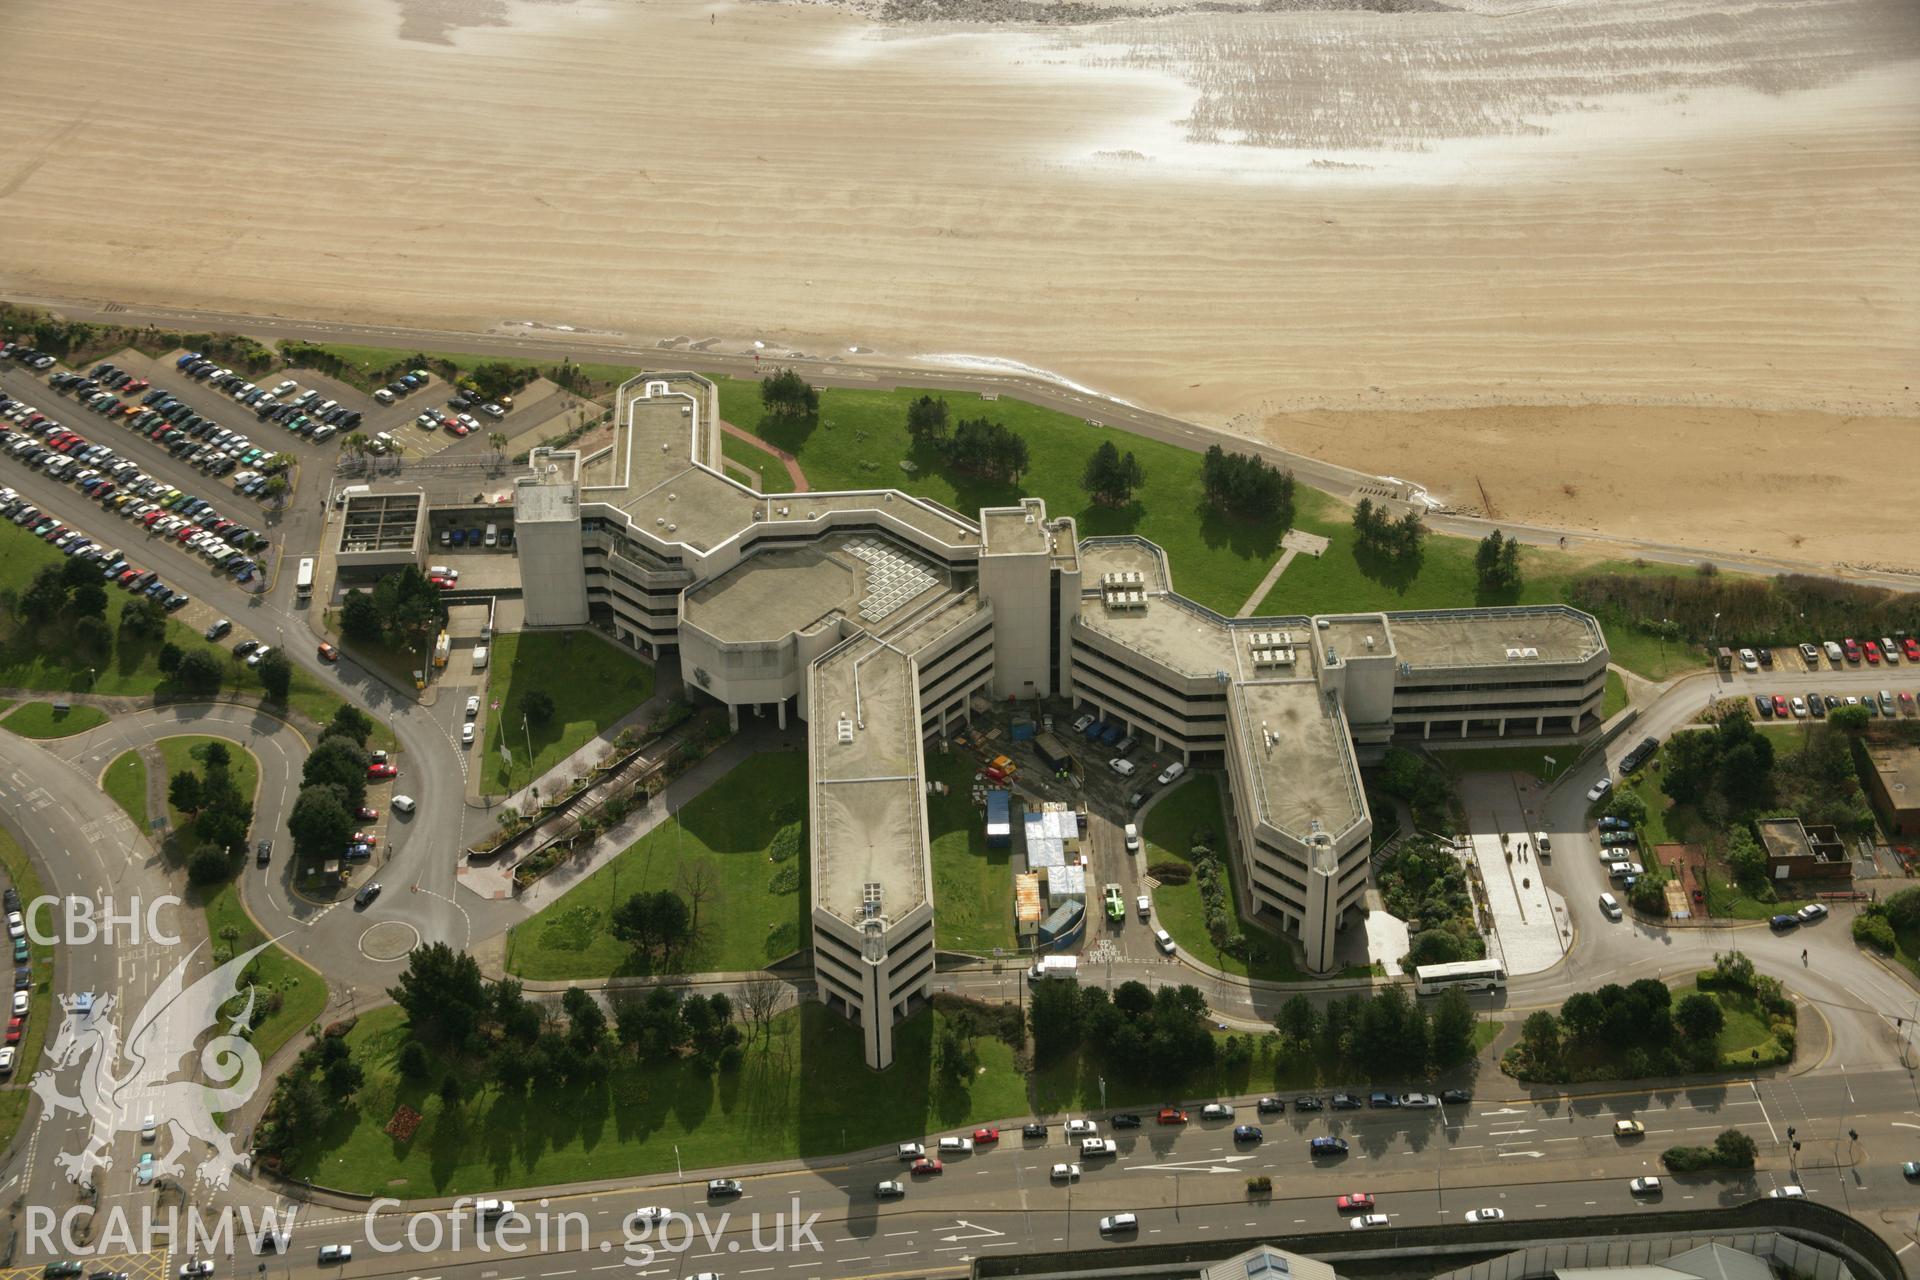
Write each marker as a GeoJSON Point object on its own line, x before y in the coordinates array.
{"type": "Point", "coordinates": [1300, 756]}
{"type": "Point", "coordinates": [1494, 637]}
{"type": "Point", "coordinates": [1897, 766]}
{"type": "Point", "coordinates": [867, 790]}
{"type": "Point", "coordinates": [870, 580]}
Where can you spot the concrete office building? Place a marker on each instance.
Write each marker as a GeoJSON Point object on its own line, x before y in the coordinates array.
{"type": "Point", "coordinates": [876, 617]}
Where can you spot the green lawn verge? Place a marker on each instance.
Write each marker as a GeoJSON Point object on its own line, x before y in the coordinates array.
{"type": "Point", "coordinates": [1615, 699]}
{"type": "Point", "coordinates": [790, 1098]}
{"type": "Point", "coordinates": [972, 884]}
{"type": "Point", "coordinates": [756, 460]}
{"type": "Point", "coordinates": [729, 827]}
{"type": "Point", "coordinates": [125, 783]}
{"type": "Point", "coordinates": [1168, 831]}
{"type": "Point", "coordinates": [299, 992]}
{"type": "Point", "coordinates": [1744, 1029]}
{"type": "Point", "coordinates": [43, 720]}
{"type": "Point", "coordinates": [592, 684]}
{"type": "Point", "coordinates": [184, 754]}
{"type": "Point", "coordinates": [14, 1094]}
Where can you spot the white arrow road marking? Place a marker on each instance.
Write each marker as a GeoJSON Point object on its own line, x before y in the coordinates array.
{"type": "Point", "coordinates": [1535, 1154]}
{"type": "Point", "coordinates": [979, 1232]}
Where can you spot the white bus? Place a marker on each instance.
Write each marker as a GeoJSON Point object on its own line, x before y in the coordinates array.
{"type": "Point", "coordinates": [303, 582]}
{"type": "Point", "coordinates": [1468, 975]}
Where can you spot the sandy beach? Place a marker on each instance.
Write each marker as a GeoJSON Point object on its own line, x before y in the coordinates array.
{"type": "Point", "coordinates": [1685, 236]}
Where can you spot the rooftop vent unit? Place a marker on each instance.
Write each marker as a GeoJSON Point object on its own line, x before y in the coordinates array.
{"type": "Point", "coordinates": [1369, 644]}
{"type": "Point", "coordinates": [673, 528]}
{"type": "Point", "coordinates": [672, 496]}
{"type": "Point", "coordinates": [659, 522]}
{"type": "Point", "coordinates": [870, 899]}
{"type": "Point", "coordinates": [783, 511]}
{"type": "Point", "coordinates": [846, 729]}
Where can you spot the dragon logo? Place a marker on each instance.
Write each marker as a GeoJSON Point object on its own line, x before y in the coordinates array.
{"type": "Point", "coordinates": [171, 1023]}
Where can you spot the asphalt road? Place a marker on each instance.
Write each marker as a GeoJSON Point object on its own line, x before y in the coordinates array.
{"type": "Point", "coordinates": [552, 345]}
{"type": "Point", "coordinates": [1531, 1159]}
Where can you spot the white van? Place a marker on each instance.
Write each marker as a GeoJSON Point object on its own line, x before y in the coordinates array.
{"type": "Point", "coordinates": [1133, 838]}
{"type": "Point", "coordinates": [1541, 842]}
{"type": "Point", "coordinates": [493, 535]}
{"type": "Point", "coordinates": [386, 441]}
{"type": "Point", "coordinates": [1163, 941]}
{"type": "Point", "coordinates": [488, 1210]}
{"type": "Point", "coordinates": [1610, 905]}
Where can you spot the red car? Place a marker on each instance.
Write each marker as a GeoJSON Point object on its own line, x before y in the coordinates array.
{"type": "Point", "coordinates": [135, 387]}
{"type": "Point", "coordinates": [14, 1028]}
{"type": "Point", "coordinates": [1780, 708]}
{"type": "Point", "coordinates": [986, 1135]}
{"type": "Point", "coordinates": [1851, 648]}
{"type": "Point", "coordinates": [1358, 1200]}
{"type": "Point", "coordinates": [1172, 1115]}
{"type": "Point", "coordinates": [363, 837]}
{"type": "Point", "coordinates": [366, 814]}
{"type": "Point", "coordinates": [381, 771]}
{"type": "Point", "coordinates": [1873, 652]}
{"type": "Point", "coordinates": [1912, 646]}
{"type": "Point", "coordinates": [439, 580]}
{"type": "Point", "coordinates": [328, 653]}
{"type": "Point", "coordinates": [925, 1165]}
{"type": "Point", "coordinates": [460, 429]}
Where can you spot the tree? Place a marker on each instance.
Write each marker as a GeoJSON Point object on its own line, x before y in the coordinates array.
{"type": "Point", "coordinates": [275, 488]}
{"type": "Point", "coordinates": [954, 1055]}
{"type": "Point", "coordinates": [1745, 856]}
{"type": "Point", "coordinates": [351, 722]}
{"type": "Point", "coordinates": [359, 618]}
{"type": "Point", "coordinates": [985, 448]}
{"type": "Point", "coordinates": [276, 676]}
{"type": "Point", "coordinates": [586, 1022]}
{"type": "Point", "coordinates": [46, 596]}
{"type": "Point", "coordinates": [1452, 1034]}
{"type": "Point", "coordinates": [410, 609]}
{"type": "Point", "coordinates": [1540, 1038]}
{"type": "Point", "coordinates": [208, 865]}
{"type": "Point", "coordinates": [785, 394]}
{"type": "Point", "coordinates": [88, 600]}
{"type": "Point", "coordinates": [1298, 1020]}
{"type": "Point", "coordinates": [169, 658]}
{"type": "Point", "coordinates": [338, 762]}
{"type": "Point", "coordinates": [1496, 563]}
{"type": "Point", "coordinates": [183, 791]}
{"type": "Point", "coordinates": [1699, 1018]}
{"type": "Point", "coordinates": [1057, 1017]}
{"type": "Point", "coordinates": [698, 882]}
{"type": "Point", "coordinates": [412, 1061]}
{"type": "Point", "coordinates": [653, 920]}
{"type": "Point", "coordinates": [1110, 478]}
{"type": "Point", "coordinates": [927, 420]}
{"type": "Point", "coordinates": [199, 674]}
{"type": "Point", "coordinates": [216, 755]}
{"type": "Point", "coordinates": [442, 993]}
{"type": "Point", "coordinates": [1852, 720]}
{"type": "Point", "coordinates": [1247, 485]}
{"type": "Point", "coordinates": [142, 619]}
{"type": "Point", "coordinates": [537, 706]}
{"type": "Point", "coordinates": [1735, 1149]}
{"type": "Point", "coordinates": [78, 572]}
{"type": "Point", "coordinates": [760, 998]}
{"type": "Point", "coordinates": [320, 821]}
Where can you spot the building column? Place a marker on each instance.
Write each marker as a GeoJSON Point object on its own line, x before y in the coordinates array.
{"type": "Point", "coordinates": [1426, 730]}
{"type": "Point", "coordinates": [1464, 722]}
{"type": "Point", "coordinates": [780, 709]}
{"type": "Point", "coordinates": [1502, 732]}
{"type": "Point", "coordinates": [1540, 726]}
{"type": "Point", "coordinates": [733, 717]}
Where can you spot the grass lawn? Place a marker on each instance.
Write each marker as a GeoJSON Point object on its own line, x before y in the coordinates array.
{"type": "Point", "coordinates": [790, 1098]}
{"type": "Point", "coordinates": [1743, 1031]}
{"type": "Point", "coordinates": [187, 754]}
{"type": "Point", "coordinates": [1517, 759]}
{"type": "Point", "coordinates": [1615, 699]}
{"type": "Point", "coordinates": [125, 783]}
{"type": "Point", "coordinates": [728, 827]}
{"type": "Point", "coordinates": [14, 1094]}
{"type": "Point", "coordinates": [859, 441]}
{"type": "Point", "coordinates": [592, 684]}
{"type": "Point", "coordinates": [41, 720]}
{"type": "Point", "coordinates": [758, 461]}
{"type": "Point", "coordinates": [1194, 805]}
{"type": "Point", "coordinates": [972, 884]}
{"type": "Point", "coordinates": [301, 991]}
